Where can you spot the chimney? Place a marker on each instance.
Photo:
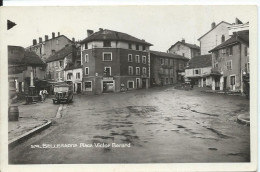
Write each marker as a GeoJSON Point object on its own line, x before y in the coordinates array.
{"type": "Point", "coordinates": [100, 29]}
{"type": "Point", "coordinates": [53, 34]}
{"type": "Point", "coordinates": [34, 42]}
{"type": "Point", "coordinates": [73, 39]}
{"type": "Point", "coordinates": [90, 32]}
{"type": "Point", "coordinates": [46, 37]}
{"type": "Point", "coordinates": [40, 39]}
{"type": "Point", "coordinates": [183, 40]}
{"type": "Point", "coordinates": [213, 24]}
{"type": "Point", "coordinates": [58, 33]}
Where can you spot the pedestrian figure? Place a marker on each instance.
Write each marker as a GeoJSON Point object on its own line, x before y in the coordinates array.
{"type": "Point", "coordinates": [41, 94]}
{"type": "Point", "coordinates": [44, 94]}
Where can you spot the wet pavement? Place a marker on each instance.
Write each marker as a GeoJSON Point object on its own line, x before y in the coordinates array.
{"type": "Point", "coordinates": [158, 125]}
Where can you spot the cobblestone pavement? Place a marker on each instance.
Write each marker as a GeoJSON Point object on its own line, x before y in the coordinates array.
{"type": "Point", "coordinates": [143, 126]}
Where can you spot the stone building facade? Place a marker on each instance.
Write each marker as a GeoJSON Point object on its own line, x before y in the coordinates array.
{"type": "Point", "coordinates": [113, 62]}
{"type": "Point", "coordinates": [166, 68]}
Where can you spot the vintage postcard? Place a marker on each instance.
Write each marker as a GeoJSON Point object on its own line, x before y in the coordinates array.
{"type": "Point", "coordinates": [129, 88]}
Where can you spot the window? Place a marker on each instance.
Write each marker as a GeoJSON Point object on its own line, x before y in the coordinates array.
{"type": "Point", "coordinates": [144, 70]}
{"type": "Point", "coordinates": [61, 63]}
{"type": "Point", "coordinates": [107, 71]}
{"type": "Point", "coordinates": [129, 46]}
{"type": "Point", "coordinates": [232, 80]}
{"type": "Point", "coordinates": [86, 46]}
{"type": "Point", "coordinates": [196, 71]}
{"type": "Point", "coordinates": [137, 59]}
{"type": "Point", "coordinates": [86, 71]}
{"type": "Point", "coordinates": [162, 61]}
{"type": "Point", "coordinates": [171, 62]}
{"type": "Point", "coordinates": [223, 51]}
{"type": "Point", "coordinates": [222, 38]}
{"type": "Point", "coordinates": [107, 56]}
{"type": "Point", "coordinates": [130, 58]}
{"type": "Point", "coordinates": [137, 70]}
{"type": "Point", "coordinates": [248, 68]}
{"type": "Point", "coordinates": [167, 80]}
{"type": "Point", "coordinates": [143, 47]}
{"type": "Point", "coordinates": [77, 75]}
{"type": "Point", "coordinates": [144, 59]}
{"type": "Point", "coordinates": [107, 44]}
{"type": "Point", "coordinates": [88, 86]}
{"type": "Point", "coordinates": [229, 65]}
{"type": "Point", "coordinates": [166, 71]}
{"type": "Point", "coordinates": [130, 84]}
{"type": "Point", "coordinates": [57, 42]}
{"type": "Point", "coordinates": [229, 50]}
{"type": "Point", "coordinates": [130, 70]}
{"type": "Point", "coordinates": [216, 65]}
{"type": "Point", "coordinates": [69, 76]}
{"type": "Point", "coordinates": [183, 54]}
{"type": "Point", "coordinates": [86, 58]}
{"type": "Point", "coordinates": [137, 47]}
{"type": "Point", "coordinates": [166, 61]}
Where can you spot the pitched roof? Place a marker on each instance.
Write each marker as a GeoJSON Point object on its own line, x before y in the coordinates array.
{"type": "Point", "coordinates": [200, 61]}
{"type": "Point", "coordinates": [61, 54]}
{"type": "Point", "coordinates": [50, 40]}
{"type": "Point", "coordinates": [170, 55]}
{"type": "Point", "coordinates": [239, 37]}
{"type": "Point", "coordinates": [74, 65]}
{"type": "Point", "coordinates": [113, 35]}
{"type": "Point", "coordinates": [193, 46]}
{"type": "Point", "coordinates": [18, 55]}
{"type": "Point", "coordinates": [32, 58]}
{"type": "Point", "coordinates": [213, 29]}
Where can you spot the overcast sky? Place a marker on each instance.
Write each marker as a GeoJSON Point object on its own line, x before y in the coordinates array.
{"type": "Point", "coordinates": [160, 25]}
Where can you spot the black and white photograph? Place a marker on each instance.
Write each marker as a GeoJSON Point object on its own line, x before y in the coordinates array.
{"type": "Point", "coordinates": [159, 84]}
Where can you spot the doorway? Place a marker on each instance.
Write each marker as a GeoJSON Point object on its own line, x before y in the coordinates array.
{"type": "Point", "coordinates": [137, 82]}
{"type": "Point", "coordinates": [225, 83]}
{"type": "Point", "coordinates": [78, 88]}
{"type": "Point", "coordinates": [143, 83]}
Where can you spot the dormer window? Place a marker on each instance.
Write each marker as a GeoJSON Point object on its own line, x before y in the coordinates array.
{"type": "Point", "coordinates": [107, 44]}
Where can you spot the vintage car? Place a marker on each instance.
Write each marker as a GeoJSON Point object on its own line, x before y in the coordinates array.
{"type": "Point", "coordinates": [63, 92]}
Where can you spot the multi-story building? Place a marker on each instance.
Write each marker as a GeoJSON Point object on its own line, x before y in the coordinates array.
{"type": "Point", "coordinates": [44, 49]}
{"type": "Point", "coordinates": [231, 59]}
{"type": "Point", "coordinates": [114, 61]}
{"type": "Point", "coordinates": [184, 49]}
{"type": "Point", "coordinates": [73, 73]}
{"type": "Point", "coordinates": [58, 61]}
{"type": "Point", "coordinates": [215, 36]}
{"type": "Point", "coordinates": [25, 69]}
{"type": "Point", "coordinates": [198, 70]}
{"type": "Point", "coordinates": [166, 68]}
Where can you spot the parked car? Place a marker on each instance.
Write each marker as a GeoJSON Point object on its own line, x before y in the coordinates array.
{"type": "Point", "coordinates": [63, 92]}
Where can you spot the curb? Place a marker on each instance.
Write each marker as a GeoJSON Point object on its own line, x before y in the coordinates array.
{"type": "Point", "coordinates": [14, 142]}
{"type": "Point", "coordinates": [242, 121]}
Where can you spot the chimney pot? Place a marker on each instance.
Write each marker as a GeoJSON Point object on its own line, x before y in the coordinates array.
{"type": "Point", "coordinates": [90, 32]}
{"type": "Point", "coordinates": [213, 24]}
{"type": "Point", "coordinates": [46, 38]}
{"type": "Point", "coordinates": [183, 40]}
{"type": "Point", "coordinates": [53, 34]}
{"type": "Point", "coordinates": [40, 39]}
{"type": "Point", "coordinates": [34, 42]}
{"type": "Point", "coordinates": [58, 33]}
{"type": "Point", "coordinates": [100, 29]}
{"type": "Point", "coordinates": [73, 39]}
